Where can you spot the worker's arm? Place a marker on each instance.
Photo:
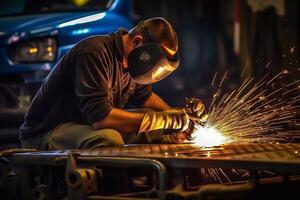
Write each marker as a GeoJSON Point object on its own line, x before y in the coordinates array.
{"type": "Point", "coordinates": [156, 103]}
{"type": "Point", "coordinates": [91, 88]}
{"type": "Point", "coordinates": [128, 122]}
{"type": "Point", "coordinates": [121, 120]}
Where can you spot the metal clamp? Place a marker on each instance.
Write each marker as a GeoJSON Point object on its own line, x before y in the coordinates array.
{"type": "Point", "coordinates": [131, 162]}
{"type": "Point", "coordinates": [80, 182]}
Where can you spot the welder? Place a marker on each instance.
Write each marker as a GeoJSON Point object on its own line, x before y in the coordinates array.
{"type": "Point", "coordinates": [81, 102]}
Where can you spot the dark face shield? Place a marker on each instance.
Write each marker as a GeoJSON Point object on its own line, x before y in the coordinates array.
{"type": "Point", "coordinates": [149, 63]}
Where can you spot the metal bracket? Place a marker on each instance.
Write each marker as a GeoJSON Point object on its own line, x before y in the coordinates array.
{"type": "Point", "coordinates": [80, 182]}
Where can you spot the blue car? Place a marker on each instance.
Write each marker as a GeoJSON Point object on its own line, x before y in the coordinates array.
{"type": "Point", "coordinates": [35, 34]}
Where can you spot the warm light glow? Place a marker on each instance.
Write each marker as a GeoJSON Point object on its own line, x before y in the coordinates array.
{"type": "Point", "coordinates": [208, 136]}
{"type": "Point", "coordinates": [80, 2]}
{"type": "Point", "coordinates": [33, 50]}
{"type": "Point", "coordinates": [49, 49]}
{"type": "Point", "coordinates": [157, 73]}
{"type": "Point", "coordinates": [170, 51]}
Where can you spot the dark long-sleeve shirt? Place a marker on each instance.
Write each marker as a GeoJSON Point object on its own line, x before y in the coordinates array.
{"type": "Point", "coordinates": [84, 86]}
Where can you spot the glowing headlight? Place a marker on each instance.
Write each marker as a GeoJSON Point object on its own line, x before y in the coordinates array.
{"type": "Point", "coordinates": [38, 50]}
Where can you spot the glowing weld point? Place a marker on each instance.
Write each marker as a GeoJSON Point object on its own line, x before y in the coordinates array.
{"type": "Point", "coordinates": [207, 136]}
{"type": "Point", "coordinates": [285, 71]}
{"type": "Point", "coordinates": [292, 49]}
{"type": "Point", "coordinates": [208, 154]}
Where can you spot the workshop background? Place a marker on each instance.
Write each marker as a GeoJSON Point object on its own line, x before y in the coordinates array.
{"type": "Point", "coordinates": [249, 37]}
{"type": "Point", "coordinates": [233, 35]}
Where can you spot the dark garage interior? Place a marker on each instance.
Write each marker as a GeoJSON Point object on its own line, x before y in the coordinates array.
{"type": "Point", "coordinates": [240, 59]}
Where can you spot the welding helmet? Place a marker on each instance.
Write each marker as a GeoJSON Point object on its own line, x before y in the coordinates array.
{"type": "Point", "coordinates": [149, 63]}
{"type": "Point", "coordinates": [152, 61]}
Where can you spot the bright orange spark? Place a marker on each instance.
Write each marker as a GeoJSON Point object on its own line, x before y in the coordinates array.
{"type": "Point", "coordinates": [208, 136]}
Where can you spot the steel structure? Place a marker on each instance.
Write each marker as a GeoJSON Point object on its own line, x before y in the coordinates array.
{"type": "Point", "coordinates": [184, 171]}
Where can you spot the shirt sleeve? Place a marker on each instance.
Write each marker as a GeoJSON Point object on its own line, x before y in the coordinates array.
{"type": "Point", "coordinates": [140, 95]}
{"type": "Point", "coordinates": [91, 87]}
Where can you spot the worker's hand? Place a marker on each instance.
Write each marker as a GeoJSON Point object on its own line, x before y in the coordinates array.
{"type": "Point", "coordinates": [164, 122]}
{"type": "Point", "coordinates": [174, 138]}
{"type": "Point", "coordinates": [195, 109]}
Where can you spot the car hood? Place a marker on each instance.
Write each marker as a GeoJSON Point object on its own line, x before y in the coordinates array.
{"type": "Point", "coordinates": [20, 27]}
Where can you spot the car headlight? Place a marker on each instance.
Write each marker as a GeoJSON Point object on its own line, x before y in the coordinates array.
{"type": "Point", "coordinates": [37, 50]}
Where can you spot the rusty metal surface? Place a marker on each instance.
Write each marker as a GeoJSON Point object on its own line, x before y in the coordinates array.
{"type": "Point", "coordinates": [248, 156]}
{"type": "Point", "coordinates": [264, 152]}
{"type": "Point", "coordinates": [179, 170]}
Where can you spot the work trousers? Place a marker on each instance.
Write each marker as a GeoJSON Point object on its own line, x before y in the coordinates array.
{"type": "Point", "coordinates": [76, 136]}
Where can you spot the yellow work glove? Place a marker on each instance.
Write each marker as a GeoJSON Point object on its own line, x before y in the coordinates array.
{"type": "Point", "coordinates": [174, 138]}
{"type": "Point", "coordinates": [195, 109]}
{"type": "Point", "coordinates": [155, 124]}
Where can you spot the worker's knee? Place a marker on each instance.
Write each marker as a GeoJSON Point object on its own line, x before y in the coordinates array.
{"type": "Point", "coordinates": [74, 136]}
{"type": "Point", "coordinates": [112, 137]}
{"type": "Point", "coordinates": [103, 138]}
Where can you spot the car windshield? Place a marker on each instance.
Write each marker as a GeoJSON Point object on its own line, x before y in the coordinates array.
{"type": "Point", "coordinates": [26, 7]}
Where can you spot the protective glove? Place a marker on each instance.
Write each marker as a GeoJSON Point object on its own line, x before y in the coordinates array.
{"type": "Point", "coordinates": [174, 138]}
{"type": "Point", "coordinates": [195, 110]}
{"type": "Point", "coordinates": [155, 124]}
